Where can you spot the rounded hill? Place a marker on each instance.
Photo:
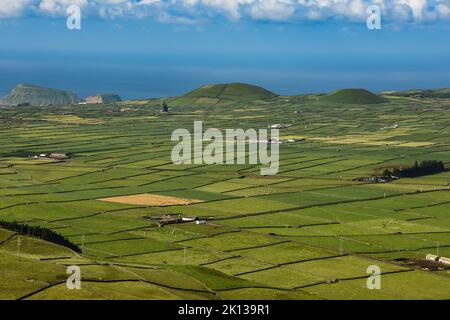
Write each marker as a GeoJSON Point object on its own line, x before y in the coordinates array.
{"type": "Point", "coordinates": [231, 91]}
{"type": "Point", "coordinates": [353, 96]}
{"type": "Point", "coordinates": [39, 96]}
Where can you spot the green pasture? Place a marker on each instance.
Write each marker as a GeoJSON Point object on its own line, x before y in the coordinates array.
{"type": "Point", "coordinates": [308, 232]}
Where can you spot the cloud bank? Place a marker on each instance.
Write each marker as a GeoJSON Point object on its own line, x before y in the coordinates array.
{"type": "Point", "coordinates": [194, 11]}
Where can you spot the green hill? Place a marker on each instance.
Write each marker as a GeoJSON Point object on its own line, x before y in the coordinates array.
{"type": "Point", "coordinates": [353, 96]}
{"type": "Point", "coordinates": [39, 96]}
{"type": "Point", "coordinates": [442, 93]}
{"type": "Point", "coordinates": [213, 94]}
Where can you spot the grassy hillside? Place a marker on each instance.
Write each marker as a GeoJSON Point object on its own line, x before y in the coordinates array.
{"type": "Point", "coordinates": [39, 96]}
{"type": "Point", "coordinates": [353, 96]}
{"type": "Point", "coordinates": [224, 93]}
{"type": "Point", "coordinates": [39, 272]}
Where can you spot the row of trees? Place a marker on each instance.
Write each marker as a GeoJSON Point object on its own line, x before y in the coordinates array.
{"type": "Point", "coordinates": [419, 169]}
{"type": "Point", "coordinates": [39, 232]}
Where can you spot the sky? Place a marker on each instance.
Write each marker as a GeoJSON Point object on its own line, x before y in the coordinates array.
{"type": "Point", "coordinates": [151, 48]}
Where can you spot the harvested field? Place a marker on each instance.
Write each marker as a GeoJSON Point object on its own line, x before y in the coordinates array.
{"type": "Point", "coordinates": [151, 200]}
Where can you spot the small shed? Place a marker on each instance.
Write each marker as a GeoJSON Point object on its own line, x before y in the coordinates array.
{"type": "Point", "coordinates": [432, 257]}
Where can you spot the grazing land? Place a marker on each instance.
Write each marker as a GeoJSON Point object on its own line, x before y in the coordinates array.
{"type": "Point", "coordinates": [309, 232]}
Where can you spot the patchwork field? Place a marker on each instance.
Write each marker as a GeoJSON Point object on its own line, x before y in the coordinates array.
{"type": "Point", "coordinates": [309, 232]}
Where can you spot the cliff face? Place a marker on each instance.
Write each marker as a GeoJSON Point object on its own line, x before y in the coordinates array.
{"type": "Point", "coordinates": [26, 94]}
{"type": "Point", "coordinates": [103, 98]}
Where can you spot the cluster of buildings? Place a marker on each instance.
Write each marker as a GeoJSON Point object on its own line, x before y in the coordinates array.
{"type": "Point", "coordinates": [174, 218]}
{"type": "Point", "coordinates": [383, 179]}
{"type": "Point", "coordinates": [276, 141]}
{"type": "Point", "coordinates": [56, 156]}
{"type": "Point", "coordinates": [280, 141]}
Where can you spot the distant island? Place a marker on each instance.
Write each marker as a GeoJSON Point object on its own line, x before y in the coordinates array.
{"type": "Point", "coordinates": [27, 94]}
{"type": "Point", "coordinates": [103, 98]}
{"type": "Point", "coordinates": [32, 95]}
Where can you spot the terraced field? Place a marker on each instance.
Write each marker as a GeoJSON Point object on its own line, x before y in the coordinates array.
{"type": "Point", "coordinates": [309, 232]}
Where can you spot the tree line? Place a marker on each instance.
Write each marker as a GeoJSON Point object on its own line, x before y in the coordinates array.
{"type": "Point", "coordinates": [419, 169]}
{"type": "Point", "coordinates": [39, 232]}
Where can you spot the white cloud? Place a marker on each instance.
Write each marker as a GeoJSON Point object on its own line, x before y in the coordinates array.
{"type": "Point", "coordinates": [144, 2]}
{"type": "Point", "coordinates": [167, 18]}
{"type": "Point", "coordinates": [58, 7]}
{"type": "Point", "coordinates": [191, 11]}
{"type": "Point", "coordinates": [229, 8]}
{"type": "Point", "coordinates": [15, 8]}
{"type": "Point", "coordinates": [444, 10]}
{"type": "Point", "coordinates": [417, 6]}
{"type": "Point", "coordinates": [272, 9]}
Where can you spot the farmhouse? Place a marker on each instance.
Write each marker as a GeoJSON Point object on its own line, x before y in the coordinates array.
{"type": "Point", "coordinates": [292, 140]}
{"type": "Point", "coordinates": [275, 126]}
{"type": "Point", "coordinates": [278, 126]}
{"type": "Point", "coordinates": [435, 258]}
{"type": "Point", "coordinates": [58, 156]}
{"type": "Point", "coordinates": [445, 261]}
